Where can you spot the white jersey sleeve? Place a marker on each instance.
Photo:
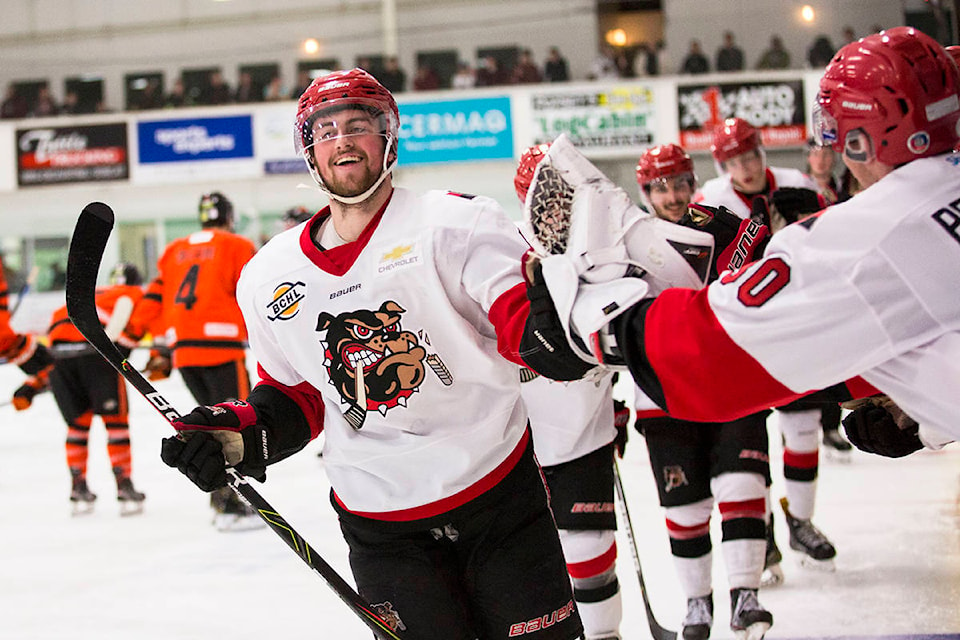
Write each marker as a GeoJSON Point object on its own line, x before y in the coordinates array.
{"type": "Point", "coordinates": [865, 288]}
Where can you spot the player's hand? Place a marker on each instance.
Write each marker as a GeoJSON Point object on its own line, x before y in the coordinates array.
{"type": "Point", "coordinates": [159, 366]}
{"type": "Point", "coordinates": [879, 428]}
{"type": "Point", "coordinates": [543, 345]}
{"type": "Point", "coordinates": [737, 241]}
{"type": "Point", "coordinates": [211, 438]}
{"type": "Point", "coordinates": [794, 203]}
{"type": "Point", "coordinates": [621, 418]}
{"type": "Point", "coordinates": [23, 396]}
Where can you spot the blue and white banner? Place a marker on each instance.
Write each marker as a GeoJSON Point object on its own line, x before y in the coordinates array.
{"type": "Point", "coordinates": [455, 131]}
{"type": "Point", "coordinates": [195, 139]}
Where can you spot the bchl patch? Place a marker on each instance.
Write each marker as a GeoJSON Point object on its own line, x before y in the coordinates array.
{"type": "Point", "coordinates": [388, 614]}
{"type": "Point", "coordinates": [285, 304]}
{"type": "Point", "coordinates": [919, 142]}
{"type": "Point", "coordinates": [673, 478]}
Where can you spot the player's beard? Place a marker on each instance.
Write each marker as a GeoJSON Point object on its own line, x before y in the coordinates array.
{"type": "Point", "coordinates": [352, 185]}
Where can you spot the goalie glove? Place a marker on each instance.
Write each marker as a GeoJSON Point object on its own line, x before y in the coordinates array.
{"type": "Point", "coordinates": [211, 438]}
{"type": "Point", "coordinates": [737, 241]}
{"type": "Point", "coordinates": [877, 425]}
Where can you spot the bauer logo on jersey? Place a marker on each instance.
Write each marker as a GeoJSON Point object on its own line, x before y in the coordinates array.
{"type": "Point", "coordinates": [373, 362]}
{"type": "Point", "coordinates": [400, 256]}
{"type": "Point", "coordinates": [286, 301]}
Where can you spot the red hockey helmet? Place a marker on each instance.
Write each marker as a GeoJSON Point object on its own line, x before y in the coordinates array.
{"type": "Point", "coordinates": [663, 161]}
{"type": "Point", "coordinates": [343, 90]}
{"type": "Point", "coordinates": [954, 51]}
{"type": "Point", "coordinates": [733, 137]}
{"type": "Point", "coordinates": [527, 164]}
{"type": "Point", "coordinates": [899, 88]}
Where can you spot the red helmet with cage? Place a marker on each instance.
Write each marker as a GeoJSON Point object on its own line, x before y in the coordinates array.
{"type": "Point", "coordinates": [898, 88]}
{"type": "Point", "coordinates": [954, 51]}
{"type": "Point", "coordinates": [733, 137]}
{"type": "Point", "coordinates": [663, 161]}
{"type": "Point", "coordinates": [527, 164]}
{"type": "Point", "coordinates": [342, 90]}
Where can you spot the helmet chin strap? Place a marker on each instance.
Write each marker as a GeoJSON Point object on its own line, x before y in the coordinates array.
{"type": "Point", "coordinates": [357, 199]}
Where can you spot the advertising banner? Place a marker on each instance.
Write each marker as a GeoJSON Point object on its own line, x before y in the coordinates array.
{"type": "Point", "coordinates": [273, 136]}
{"type": "Point", "coordinates": [80, 153]}
{"type": "Point", "coordinates": [776, 108]}
{"type": "Point", "coordinates": [607, 119]}
{"type": "Point", "coordinates": [455, 130]}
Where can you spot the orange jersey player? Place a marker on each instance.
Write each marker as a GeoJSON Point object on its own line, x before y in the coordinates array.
{"type": "Point", "coordinates": [20, 349]}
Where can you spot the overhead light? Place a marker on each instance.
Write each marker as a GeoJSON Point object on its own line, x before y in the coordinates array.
{"type": "Point", "coordinates": [311, 46]}
{"type": "Point", "coordinates": [807, 14]}
{"type": "Point", "coordinates": [616, 37]}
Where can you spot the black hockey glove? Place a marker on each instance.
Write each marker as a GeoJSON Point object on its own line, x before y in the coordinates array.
{"type": "Point", "coordinates": [793, 203]}
{"type": "Point", "coordinates": [621, 418]}
{"type": "Point", "coordinates": [210, 438]}
{"type": "Point", "coordinates": [543, 345]}
{"type": "Point", "coordinates": [23, 396]}
{"type": "Point", "coordinates": [737, 241]}
{"type": "Point", "coordinates": [881, 428]}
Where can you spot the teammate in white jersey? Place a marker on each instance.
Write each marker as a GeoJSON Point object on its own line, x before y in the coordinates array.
{"type": "Point", "coordinates": [858, 298]}
{"type": "Point", "coordinates": [745, 176]}
{"type": "Point", "coordinates": [576, 428]}
{"type": "Point", "coordinates": [698, 463]}
{"type": "Point", "coordinates": [393, 322]}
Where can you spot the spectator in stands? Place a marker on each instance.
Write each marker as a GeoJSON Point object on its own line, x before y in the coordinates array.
{"type": "Point", "coordinates": [177, 96]}
{"type": "Point", "coordinates": [303, 81]}
{"type": "Point", "coordinates": [425, 79]}
{"type": "Point", "coordinates": [605, 66]}
{"type": "Point", "coordinates": [393, 77]}
{"type": "Point", "coordinates": [820, 52]}
{"type": "Point", "coordinates": [624, 62]}
{"type": "Point", "coordinates": [695, 62]}
{"type": "Point", "coordinates": [775, 57]}
{"type": "Point", "coordinates": [275, 90]}
{"type": "Point", "coordinates": [849, 35]}
{"type": "Point", "coordinates": [729, 56]}
{"type": "Point", "coordinates": [525, 71]}
{"type": "Point", "coordinates": [151, 97]}
{"type": "Point", "coordinates": [464, 78]}
{"type": "Point", "coordinates": [246, 90]}
{"type": "Point", "coordinates": [647, 62]}
{"type": "Point", "coordinates": [555, 68]}
{"type": "Point", "coordinates": [14, 104]}
{"type": "Point", "coordinates": [217, 91]}
{"type": "Point", "coordinates": [490, 73]}
{"type": "Point", "coordinates": [70, 100]}
{"type": "Point", "coordinates": [45, 105]}
{"type": "Point", "coordinates": [665, 63]}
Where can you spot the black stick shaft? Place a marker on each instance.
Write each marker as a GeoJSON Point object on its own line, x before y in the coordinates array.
{"type": "Point", "coordinates": [658, 632]}
{"type": "Point", "coordinates": [83, 264]}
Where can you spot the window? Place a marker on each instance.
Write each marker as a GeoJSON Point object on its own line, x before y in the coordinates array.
{"type": "Point", "coordinates": [196, 83]}
{"type": "Point", "coordinates": [443, 63]}
{"type": "Point", "coordinates": [88, 91]}
{"type": "Point", "coordinates": [143, 90]}
{"type": "Point", "coordinates": [260, 77]}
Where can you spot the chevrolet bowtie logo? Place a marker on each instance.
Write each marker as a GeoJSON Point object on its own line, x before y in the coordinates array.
{"type": "Point", "coordinates": [397, 252]}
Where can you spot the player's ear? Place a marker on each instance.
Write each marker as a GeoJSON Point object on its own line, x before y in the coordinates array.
{"type": "Point", "coordinates": [858, 147]}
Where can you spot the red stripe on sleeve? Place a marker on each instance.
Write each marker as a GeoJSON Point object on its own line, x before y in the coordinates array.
{"type": "Point", "coordinates": [508, 314]}
{"type": "Point", "coordinates": [705, 375]}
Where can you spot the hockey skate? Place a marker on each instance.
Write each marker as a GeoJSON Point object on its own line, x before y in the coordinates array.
{"type": "Point", "coordinates": [131, 500]}
{"type": "Point", "coordinates": [772, 572]}
{"type": "Point", "coordinates": [748, 619]}
{"type": "Point", "coordinates": [231, 513]}
{"type": "Point", "coordinates": [816, 549]}
{"type": "Point", "coordinates": [81, 498]}
{"type": "Point", "coordinates": [836, 446]}
{"type": "Point", "coordinates": [699, 619]}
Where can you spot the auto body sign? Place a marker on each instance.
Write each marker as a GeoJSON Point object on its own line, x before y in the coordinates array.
{"type": "Point", "coordinates": [776, 108]}
{"type": "Point", "coordinates": [56, 155]}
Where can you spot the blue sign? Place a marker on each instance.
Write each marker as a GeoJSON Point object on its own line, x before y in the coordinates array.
{"type": "Point", "coordinates": [455, 131]}
{"type": "Point", "coordinates": [195, 139]}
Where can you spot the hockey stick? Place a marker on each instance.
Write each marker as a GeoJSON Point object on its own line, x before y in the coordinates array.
{"type": "Point", "coordinates": [83, 263]}
{"type": "Point", "coordinates": [658, 632]}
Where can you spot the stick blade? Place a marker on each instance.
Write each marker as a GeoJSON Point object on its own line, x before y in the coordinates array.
{"type": "Point", "coordinates": [89, 239]}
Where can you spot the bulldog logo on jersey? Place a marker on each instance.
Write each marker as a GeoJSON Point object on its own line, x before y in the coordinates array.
{"type": "Point", "coordinates": [373, 362]}
{"type": "Point", "coordinates": [285, 303]}
{"type": "Point", "coordinates": [673, 478]}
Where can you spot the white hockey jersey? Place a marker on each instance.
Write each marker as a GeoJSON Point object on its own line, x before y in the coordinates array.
{"type": "Point", "coordinates": [569, 419]}
{"type": "Point", "coordinates": [866, 288]}
{"type": "Point", "coordinates": [438, 408]}
{"type": "Point", "coordinates": [719, 191]}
